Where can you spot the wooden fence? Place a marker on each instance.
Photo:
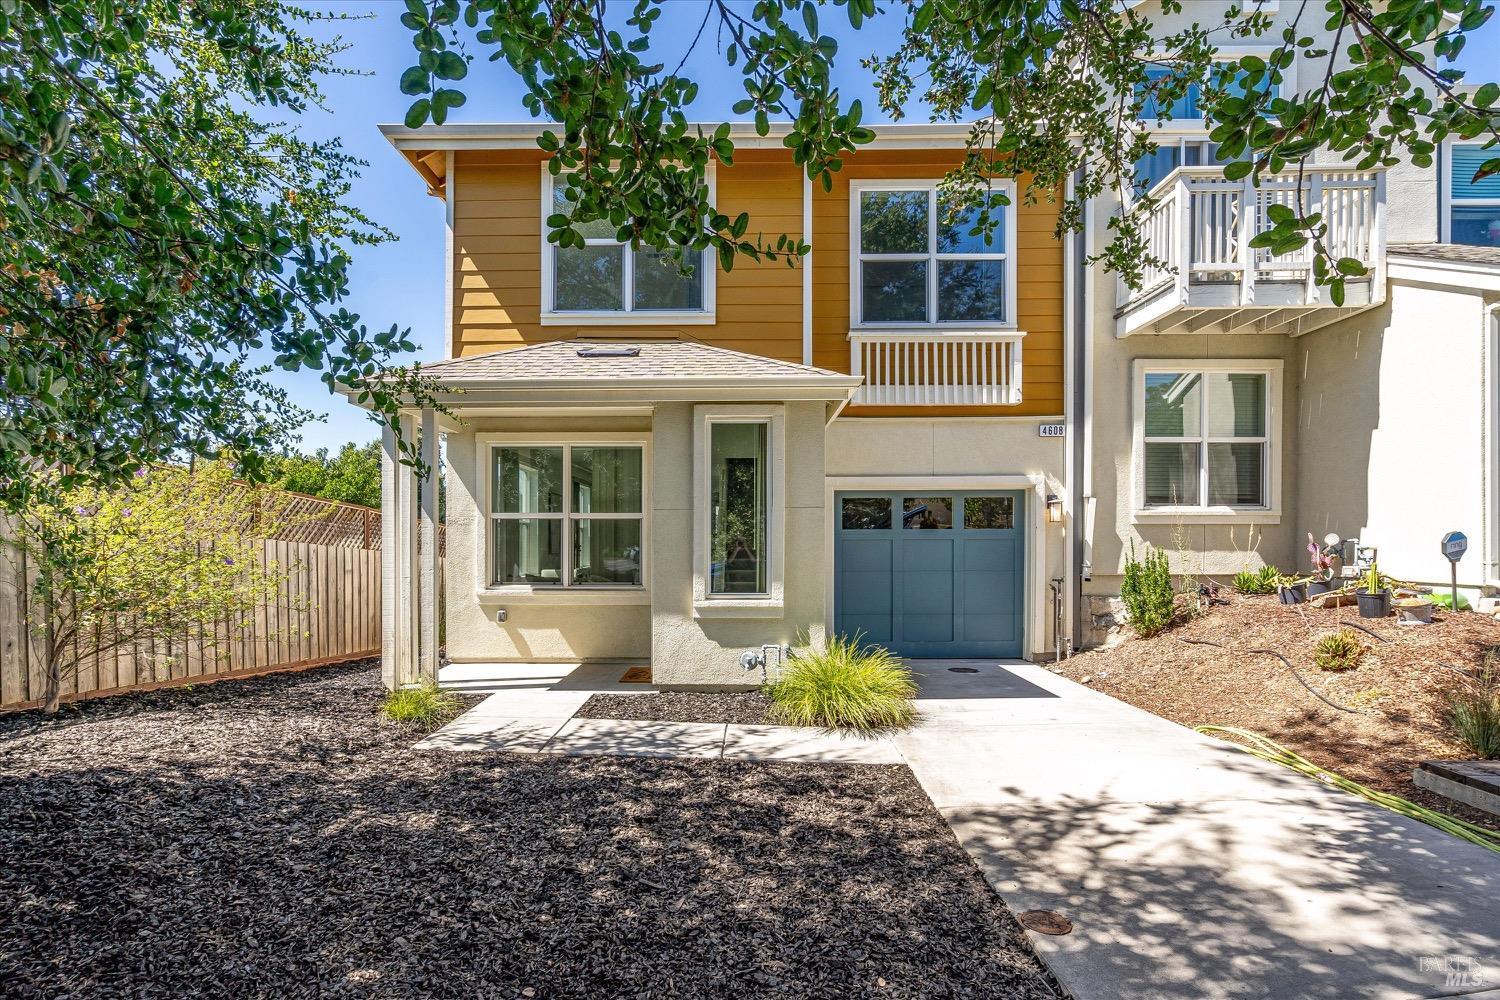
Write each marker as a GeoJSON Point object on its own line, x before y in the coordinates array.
{"type": "Point", "coordinates": [327, 611]}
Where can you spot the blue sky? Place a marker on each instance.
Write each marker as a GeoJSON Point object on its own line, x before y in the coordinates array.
{"type": "Point", "coordinates": [402, 282]}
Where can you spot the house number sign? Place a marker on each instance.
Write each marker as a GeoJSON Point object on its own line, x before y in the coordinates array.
{"type": "Point", "coordinates": [1050, 430]}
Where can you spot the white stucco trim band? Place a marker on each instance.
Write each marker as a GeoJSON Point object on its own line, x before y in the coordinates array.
{"type": "Point", "coordinates": [1034, 626]}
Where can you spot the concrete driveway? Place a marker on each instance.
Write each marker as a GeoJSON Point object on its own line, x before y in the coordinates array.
{"type": "Point", "coordinates": [1189, 868]}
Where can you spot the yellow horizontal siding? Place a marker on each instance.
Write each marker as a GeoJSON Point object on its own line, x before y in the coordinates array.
{"type": "Point", "coordinates": [497, 267]}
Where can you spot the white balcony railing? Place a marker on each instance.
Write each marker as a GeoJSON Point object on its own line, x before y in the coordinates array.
{"type": "Point", "coordinates": [936, 369]}
{"type": "Point", "coordinates": [1202, 226]}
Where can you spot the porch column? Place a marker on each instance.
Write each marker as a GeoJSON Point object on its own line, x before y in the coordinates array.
{"type": "Point", "coordinates": [427, 611]}
{"type": "Point", "coordinates": [397, 561]}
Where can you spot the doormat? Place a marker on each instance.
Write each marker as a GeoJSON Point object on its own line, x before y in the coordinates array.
{"type": "Point", "coordinates": [636, 675]}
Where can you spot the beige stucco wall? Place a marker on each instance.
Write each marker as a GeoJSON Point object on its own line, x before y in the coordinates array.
{"type": "Point", "coordinates": [1390, 442]}
{"type": "Point", "coordinates": [536, 630]}
{"type": "Point", "coordinates": [954, 447]}
{"type": "Point", "coordinates": [688, 650]}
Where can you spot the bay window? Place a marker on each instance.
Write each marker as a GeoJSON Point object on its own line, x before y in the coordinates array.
{"type": "Point", "coordinates": [1204, 436]}
{"type": "Point", "coordinates": [566, 515]}
{"type": "Point", "coordinates": [913, 267]}
{"type": "Point", "coordinates": [608, 280]}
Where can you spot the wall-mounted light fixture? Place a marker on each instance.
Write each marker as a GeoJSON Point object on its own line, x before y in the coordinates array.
{"type": "Point", "coordinates": [1054, 509]}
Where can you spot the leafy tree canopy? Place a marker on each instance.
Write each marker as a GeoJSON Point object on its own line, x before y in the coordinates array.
{"type": "Point", "coordinates": [1057, 87]}
{"type": "Point", "coordinates": [352, 476]}
{"type": "Point", "coordinates": [159, 225]}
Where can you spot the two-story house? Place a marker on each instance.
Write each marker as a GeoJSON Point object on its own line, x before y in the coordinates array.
{"type": "Point", "coordinates": [947, 446]}
{"type": "Point", "coordinates": [648, 465]}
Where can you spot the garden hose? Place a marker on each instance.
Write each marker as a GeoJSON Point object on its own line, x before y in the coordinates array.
{"type": "Point", "coordinates": [1266, 749]}
{"type": "Point", "coordinates": [1365, 630]}
{"type": "Point", "coordinates": [1283, 659]}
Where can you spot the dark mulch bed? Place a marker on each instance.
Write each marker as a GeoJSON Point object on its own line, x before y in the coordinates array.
{"type": "Point", "coordinates": [276, 838]}
{"type": "Point", "coordinates": [741, 707]}
{"type": "Point", "coordinates": [1399, 688]}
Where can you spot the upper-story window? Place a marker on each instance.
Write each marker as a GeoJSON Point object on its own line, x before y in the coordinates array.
{"type": "Point", "coordinates": [912, 267]}
{"type": "Point", "coordinates": [1187, 115]}
{"type": "Point", "coordinates": [607, 281]}
{"type": "Point", "coordinates": [1474, 206]}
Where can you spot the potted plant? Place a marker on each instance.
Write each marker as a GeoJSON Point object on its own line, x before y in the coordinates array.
{"type": "Point", "coordinates": [1416, 610]}
{"type": "Point", "coordinates": [1321, 580]}
{"type": "Point", "coordinates": [1291, 590]}
{"type": "Point", "coordinates": [1373, 596]}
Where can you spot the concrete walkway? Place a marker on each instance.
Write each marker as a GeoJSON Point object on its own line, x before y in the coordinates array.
{"type": "Point", "coordinates": [1189, 868]}
{"type": "Point", "coordinates": [532, 707]}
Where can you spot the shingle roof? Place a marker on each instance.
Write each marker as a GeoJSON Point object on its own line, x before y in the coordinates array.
{"type": "Point", "coordinates": [1452, 252]}
{"type": "Point", "coordinates": [651, 360]}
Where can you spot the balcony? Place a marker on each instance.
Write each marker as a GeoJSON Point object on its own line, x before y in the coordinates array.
{"type": "Point", "coordinates": [1213, 281]}
{"type": "Point", "coordinates": [936, 369]}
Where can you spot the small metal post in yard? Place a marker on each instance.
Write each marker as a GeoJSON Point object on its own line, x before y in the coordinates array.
{"type": "Point", "coordinates": [1455, 544]}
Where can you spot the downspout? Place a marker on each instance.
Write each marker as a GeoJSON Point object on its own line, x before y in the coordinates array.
{"type": "Point", "coordinates": [1080, 429]}
{"type": "Point", "coordinates": [807, 275]}
{"type": "Point", "coordinates": [1489, 417]}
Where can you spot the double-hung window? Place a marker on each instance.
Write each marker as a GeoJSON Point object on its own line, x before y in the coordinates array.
{"type": "Point", "coordinates": [566, 515]}
{"type": "Point", "coordinates": [914, 267]}
{"type": "Point", "coordinates": [608, 280]}
{"type": "Point", "coordinates": [1205, 436]}
{"type": "Point", "coordinates": [1473, 206]}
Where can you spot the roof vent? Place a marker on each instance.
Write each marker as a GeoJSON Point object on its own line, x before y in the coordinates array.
{"type": "Point", "coordinates": [609, 351]}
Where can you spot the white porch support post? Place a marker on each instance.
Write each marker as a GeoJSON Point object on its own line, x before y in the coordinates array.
{"type": "Point", "coordinates": [390, 546]}
{"type": "Point", "coordinates": [427, 612]}
{"type": "Point", "coordinates": [406, 561]}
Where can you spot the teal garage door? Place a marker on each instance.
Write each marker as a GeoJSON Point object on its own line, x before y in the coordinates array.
{"type": "Point", "coordinates": [931, 573]}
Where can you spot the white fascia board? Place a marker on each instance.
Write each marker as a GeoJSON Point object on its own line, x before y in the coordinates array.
{"type": "Point", "coordinates": [523, 136]}
{"type": "Point", "coordinates": [1468, 275]}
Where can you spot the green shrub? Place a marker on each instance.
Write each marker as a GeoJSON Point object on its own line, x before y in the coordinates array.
{"type": "Point", "coordinates": [844, 686]}
{"type": "Point", "coordinates": [1147, 592]}
{"type": "Point", "coordinates": [1258, 581]}
{"type": "Point", "coordinates": [1338, 651]}
{"type": "Point", "coordinates": [428, 705]}
{"type": "Point", "coordinates": [1474, 711]}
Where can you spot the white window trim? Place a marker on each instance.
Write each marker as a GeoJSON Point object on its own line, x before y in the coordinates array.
{"type": "Point", "coordinates": [1446, 202]}
{"type": "Point", "coordinates": [561, 592]}
{"type": "Point", "coordinates": [930, 184]}
{"type": "Point", "coordinates": [1205, 513]}
{"type": "Point", "coordinates": [772, 603]}
{"type": "Point", "coordinates": [551, 316]}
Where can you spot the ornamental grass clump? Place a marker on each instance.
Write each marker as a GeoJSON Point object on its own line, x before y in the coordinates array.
{"type": "Point", "coordinates": [428, 706]}
{"type": "Point", "coordinates": [1338, 651]}
{"type": "Point", "coordinates": [1474, 711]}
{"type": "Point", "coordinates": [844, 686]}
{"type": "Point", "coordinates": [1258, 581]}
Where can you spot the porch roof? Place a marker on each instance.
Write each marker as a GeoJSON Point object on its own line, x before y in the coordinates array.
{"type": "Point", "coordinates": [634, 369]}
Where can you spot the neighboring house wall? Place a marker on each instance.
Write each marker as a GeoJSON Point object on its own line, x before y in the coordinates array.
{"type": "Point", "coordinates": [1391, 442]}
{"type": "Point", "coordinates": [546, 627]}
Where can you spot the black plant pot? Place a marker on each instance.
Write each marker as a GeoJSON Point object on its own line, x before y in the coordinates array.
{"type": "Point", "coordinates": [1295, 594]}
{"type": "Point", "coordinates": [1376, 605]}
{"type": "Point", "coordinates": [1317, 588]}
